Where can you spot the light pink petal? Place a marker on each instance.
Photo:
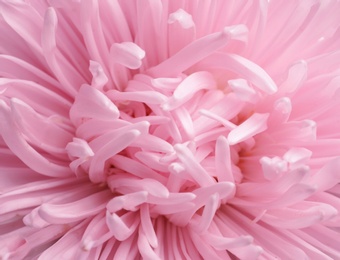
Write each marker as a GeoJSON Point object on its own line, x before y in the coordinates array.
{"type": "Point", "coordinates": [221, 243]}
{"type": "Point", "coordinates": [12, 245]}
{"type": "Point", "coordinates": [44, 235]}
{"type": "Point", "coordinates": [243, 91]}
{"type": "Point", "coordinates": [26, 21]}
{"type": "Point", "coordinates": [225, 190]}
{"type": "Point", "coordinates": [181, 30]}
{"type": "Point", "coordinates": [117, 144]}
{"type": "Point", "coordinates": [135, 168]}
{"type": "Point", "coordinates": [169, 84]}
{"type": "Point", "coordinates": [64, 72]}
{"type": "Point", "coordinates": [119, 127]}
{"type": "Point", "coordinates": [248, 252]}
{"type": "Point", "coordinates": [183, 93]}
{"type": "Point", "coordinates": [33, 219]}
{"type": "Point", "coordinates": [295, 193]}
{"type": "Point", "coordinates": [227, 108]}
{"type": "Point", "coordinates": [254, 125]}
{"type": "Point", "coordinates": [39, 129]}
{"type": "Point", "coordinates": [151, 23]}
{"type": "Point", "coordinates": [91, 103]}
{"type": "Point", "coordinates": [67, 247]}
{"type": "Point", "coordinates": [79, 148]}
{"type": "Point", "coordinates": [120, 227]}
{"type": "Point", "coordinates": [173, 198]}
{"type": "Point", "coordinates": [208, 213]}
{"type": "Point", "coordinates": [297, 130]}
{"type": "Point", "coordinates": [147, 226]}
{"type": "Point", "coordinates": [279, 186]}
{"type": "Point", "coordinates": [244, 67]}
{"type": "Point", "coordinates": [163, 129]}
{"type": "Point", "coordinates": [145, 248]}
{"type": "Point", "coordinates": [10, 66]}
{"type": "Point", "coordinates": [297, 157]}
{"type": "Point", "coordinates": [301, 215]}
{"type": "Point", "coordinates": [208, 114]}
{"type": "Point", "coordinates": [151, 186]}
{"type": "Point", "coordinates": [130, 201]}
{"type": "Point", "coordinates": [15, 140]}
{"type": "Point", "coordinates": [92, 128]}
{"type": "Point", "coordinates": [328, 176]}
{"type": "Point", "coordinates": [222, 160]}
{"type": "Point", "coordinates": [153, 143]}
{"type": "Point", "coordinates": [272, 241]}
{"type": "Point", "coordinates": [280, 113]}
{"type": "Point", "coordinates": [206, 250]}
{"type": "Point", "coordinates": [273, 167]}
{"type": "Point", "coordinates": [92, 31]}
{"type": "Point", "coordinates": [74, 211]}
{"type": "Point", "coordinates": [174, 210]}
{"type": "Point", "coordinates": [125, 250]}
{"type": "Point", "coordinates": [331, 252]}
{"type": "Point", "coordinates": [150, 97]}
{"type": "Point", "coordinates": [184, 120]}
{"type": "Point", "coordinates": [18, 202]}
{"type": "Point", "coordinates": [197, 172]}
{"type": "Point", "coordinates": [127, 54]}
{"type": "Point", "coordinates": [296, 76]}
{"type": "Point", "coordinates": [43, 100]}
{"type": "Point", "coordinates": [153, 160]}
{"type": "Point", "coordinates": [96, 233]}
{"type": "Point", "coordinates": [198, 50]}
{"type": "Point", "coordinates": [118, 28]}
{"type": "Point", "coordinates": [99, 78]}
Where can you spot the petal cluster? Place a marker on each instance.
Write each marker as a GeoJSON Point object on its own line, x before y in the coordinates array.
{"type": "Point", "coordinates": [160, 129]}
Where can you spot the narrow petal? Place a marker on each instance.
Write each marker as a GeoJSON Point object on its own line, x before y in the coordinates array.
{"type": "Point", "coordinates": [74, 211]}
{"type": "Point", "coordinates": [120, 142]}
{"type": "Point", "coordinates": [127, 54]}
{"type": "Point", "coordinates": [201, 48]}
{"type": "Point", "coordinates": [244, 67]}
{"type": "Point", "coordinates": [119, 225]}
{"type": "Point", "coordinates": [147, 226]}
{"type": "Point", "coordinates": [33, 159]}
{"type": "Point", "coordinates": [255, 124]}
{"type": "Point", "coordinates": [193, 167]}
{"type": "Point", "coordinates": [91, 103]}
{"type": "Point", "coordinates": [197, 81]}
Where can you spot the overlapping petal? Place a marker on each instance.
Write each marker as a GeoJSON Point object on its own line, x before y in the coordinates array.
{"type": "Point", "coordinates": [160, 129]}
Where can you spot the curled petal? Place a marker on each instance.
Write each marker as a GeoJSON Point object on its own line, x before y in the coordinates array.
{"type": "Point", "coordinates": [127, 54]}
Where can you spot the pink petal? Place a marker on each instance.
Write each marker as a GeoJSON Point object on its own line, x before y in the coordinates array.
{"type": "Point", "coordinates": [181, 30]}
{"type": "Point", "coordinates": [223, 162]}
{"type": "Point", "coordinates": [91, 103]}
{"type": "Point", "coordinates": [147, 226]}
{"type": "Point", "coordinates": [127, 54]}
{"type": "Point", "coordinates": [145, 248]}
{"type": "Point", "coordinates": [201, 48]}
{"type": "Point", "coordinates": [24, 151]}
{"type": "Point", "coordinates": [129, 201]}
{"type": "Point", "coordinates": [74, 211]}
{"type": "Point", "coordinates": [117, 144]}
{"type": "Point", "coordinates": [255, 124]}
{"type": "Point", "coordinates": [244, 67]}
{"type": "Point", "coordinates": [183, 93]}
{"type": "Point", "coordinates": [195, 169]}
{"type": "Point", "coordinates": [99, 78]}
{"type": "Point", "coordinates": [327, 176]}
{"type": "Point", "coordinates": [119, 227]}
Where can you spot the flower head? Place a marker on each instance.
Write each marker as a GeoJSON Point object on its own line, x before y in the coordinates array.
{"type": "Point", "coordinates": [161, 129]}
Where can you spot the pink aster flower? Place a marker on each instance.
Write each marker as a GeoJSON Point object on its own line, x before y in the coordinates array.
{"type": "Point", "coordinates": [169, 129]}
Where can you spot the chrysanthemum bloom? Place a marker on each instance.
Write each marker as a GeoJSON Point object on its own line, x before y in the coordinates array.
{"type": "Point", "coordinates": [169, 129]}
